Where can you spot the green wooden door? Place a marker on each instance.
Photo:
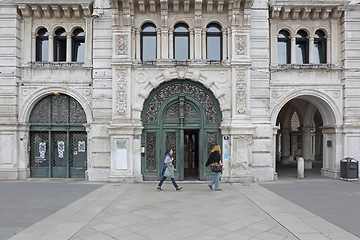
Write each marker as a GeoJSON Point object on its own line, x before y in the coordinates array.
{"type": "Point", "coordinates": [170, 114]}
{"type": "Point", "coordinates": [58, 140]}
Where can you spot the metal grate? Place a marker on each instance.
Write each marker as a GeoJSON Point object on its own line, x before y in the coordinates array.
{"type": "Point", "coordinates": [39, 150]}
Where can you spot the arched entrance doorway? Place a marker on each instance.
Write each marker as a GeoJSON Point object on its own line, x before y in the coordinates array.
{"type": "Point", "coordinates": [58, 140]}
{"type": "Point", "coordinates": [306, 129]}
{"type": "Point", "coordinates": [185, 116]}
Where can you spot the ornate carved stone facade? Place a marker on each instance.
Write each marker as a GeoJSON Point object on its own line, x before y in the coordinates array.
{"type": "Point", "coordinates": [246, 90]}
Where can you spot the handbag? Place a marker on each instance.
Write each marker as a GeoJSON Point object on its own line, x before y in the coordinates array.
{"type": "Point", "coordinates": [215, 167]}
{"type": "Point", "coordinates": [169, 172]}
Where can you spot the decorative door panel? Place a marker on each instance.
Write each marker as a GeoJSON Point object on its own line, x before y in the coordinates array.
{"type": "Point", "coordinates": [172, 142]}
{"type": "Point", "coordinates": [78, 154]}
{"type": "Point", "coordinates": [59, 154]}
{"type": "Point", "coordinates": [39, 154]}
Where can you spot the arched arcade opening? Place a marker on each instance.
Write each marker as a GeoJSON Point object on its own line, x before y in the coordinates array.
{"type": "Point", "coordinates": [306, 128]}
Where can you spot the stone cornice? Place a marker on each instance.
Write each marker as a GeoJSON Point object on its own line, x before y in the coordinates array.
{"type": "Point", "coordinates": [186, 6]}
{"type": "Point", "coordinates": [55, 9]}
{"type": "Point", "coordinates": [307, 9]}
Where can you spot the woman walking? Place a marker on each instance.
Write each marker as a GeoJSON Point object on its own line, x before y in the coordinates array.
{"type": "Point", "coordinates": [214, 159]}
{"type": "Point", "coordinates": [167, 170]}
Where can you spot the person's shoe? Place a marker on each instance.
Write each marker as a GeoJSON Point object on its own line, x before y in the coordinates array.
{"type": "Point", "coordinates": [219, 189]}
{"type": "Point", "coordinates": [159, 188]}
{"type": "Point", "coordinates": [178, 189]}
{"type": "Point", "coordinates": [210, 187]}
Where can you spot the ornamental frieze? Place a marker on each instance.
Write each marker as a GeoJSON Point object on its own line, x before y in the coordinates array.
{"type": "Point", "coordinates": [121, 94]}
{"type": "Point", "coordinates": [121, 44]}
{"type": "Point", "coordinates": [241, 94]}
{"type": "Point", "coordinates": [240, 45]}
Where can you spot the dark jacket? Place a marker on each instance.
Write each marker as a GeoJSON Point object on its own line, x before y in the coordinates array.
{"type": "Point", "coordinates": [214, 158]}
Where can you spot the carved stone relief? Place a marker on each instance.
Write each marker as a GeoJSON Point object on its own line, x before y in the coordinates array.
{"type": "Point", "coordinates": [240, 45]}
{"type": "Point", "coordinates": [121, 44]}
{"type": "Point", "coordinates": [121, 95]}
{"type": "Point", "coordinates": [241, 94]}
{"type": "Point", "coordinates": [239, 163]}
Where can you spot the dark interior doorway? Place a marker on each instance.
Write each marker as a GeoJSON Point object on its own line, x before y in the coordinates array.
{"type": "Point", "coordinates": [191, 154]}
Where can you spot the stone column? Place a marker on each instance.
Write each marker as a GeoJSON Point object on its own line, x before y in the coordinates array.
{"type": "Point", "coordinates": [306, 146]}
{"type": "Point", "coordinates": [334, 44]}
{"type": "Point", "coordinates": [274, 42]}
{"type": "Point", "coordinates": [158, 43]}
{"type": "Point", "coordinates": [318, 145]}
{"type": "Point", "coordinates": [138, 47]}
{"type": "Point", "coordinates": [311, 49]}
{"type": "Point", "coordinates": [225, 45]}
{"type": "Point", "coordinates": [34, 47]}
{"type": "Point", "coordinates": [51, 47]}
{"type": "Point", "coordinates": [198, 43]}
{"type": "Point", "coordinates": [229, 38]}
{"type": "Point", "coordinates": [88, 42]}
{"type": "Point", "coordinates": [133, 46]}
{"type": "Point", "coordinates": [204, 44]}
{"type": "Point", "coordinates": [328, 50]}
{"type": "Point", "coordinates": [170, 40]}
{"type": "Point", "coordinates": [165, 43]}
{"type": "Point", "coordinates": [68, 46]}
{"type": "Point", "coordinates": [285, 145]}
{"type": "Point", "coordinates": [293, 49]}
{"type": "Point", "coordinates": [191, 44]}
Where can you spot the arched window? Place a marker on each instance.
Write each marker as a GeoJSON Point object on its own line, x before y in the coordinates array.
{"type": "Point", "coordinates": [148, 42]}
{"type": "Point", "coordinates": [181, 42]}
{"type": "Point", "coordinates": [78, 45]}
{"type": "Point", "coordinates": [42, 45]}
{"type": "Point", "coordinates": [214, 42]}
{"type": "Point", "coordinates": [302, 47]}
{"type": "Point", "coordinates": [284, 47]}
{"type": "Point", "coordinates": [60, 45]}
{"type": "Point", "coordinates": [319, 47]}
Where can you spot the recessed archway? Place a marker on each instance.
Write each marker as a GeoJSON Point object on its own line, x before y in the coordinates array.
{"type": "Point", "coordinates": [307, 128]}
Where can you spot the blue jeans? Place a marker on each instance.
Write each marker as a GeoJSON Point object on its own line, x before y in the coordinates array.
{"type": "Point", "coordinates": [173, 182]}
{"type": "Point", "coordinates": [215, 180]}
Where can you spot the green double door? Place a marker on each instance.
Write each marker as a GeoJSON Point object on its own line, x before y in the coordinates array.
{"type": "Point", "coordinates": [185, 117]}
{"type": "Point", "coordinates": [58, 140]}
{"type": "Point", "coordinates": [59, 154]}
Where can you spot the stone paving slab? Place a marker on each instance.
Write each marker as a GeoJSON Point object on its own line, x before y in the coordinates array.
{"type": "Point", "coordinates": [138, 211]}
{"type": "Point", "coordinates": [24, 203]}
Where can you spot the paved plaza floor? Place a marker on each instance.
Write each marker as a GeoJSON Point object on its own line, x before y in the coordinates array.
{"type": "Point", "coordinates": [137, 211]}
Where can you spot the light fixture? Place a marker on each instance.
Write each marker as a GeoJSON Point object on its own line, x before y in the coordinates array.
{"type": "Point", "coordinates": [95, 14]}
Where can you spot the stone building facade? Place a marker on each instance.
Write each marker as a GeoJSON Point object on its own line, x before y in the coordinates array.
{"type": "Point", "coordinates": [100, 89]}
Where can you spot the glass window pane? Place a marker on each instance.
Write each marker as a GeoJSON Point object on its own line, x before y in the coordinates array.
{"type": "Point", "coordinates": [213, 48]}
{"type": "Point", "coordinates": [149, 48]}
{"type": "Point", "coordinates": [42, 45]}
{"type": "Point", "coordinates": [148, 42]}
{"type": "Point", "coordinates": [302, 48]}
{"type": "Point", "coordinates": [60, 45]}
{"type": "Point", "coordinates": [320, 47]}
{"type": "Point", "coordinates": [78, 46]}
{"type": "Point", "coordinates": [282, 53]}
{"type": "Point", "coordinates": [181, 48]}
